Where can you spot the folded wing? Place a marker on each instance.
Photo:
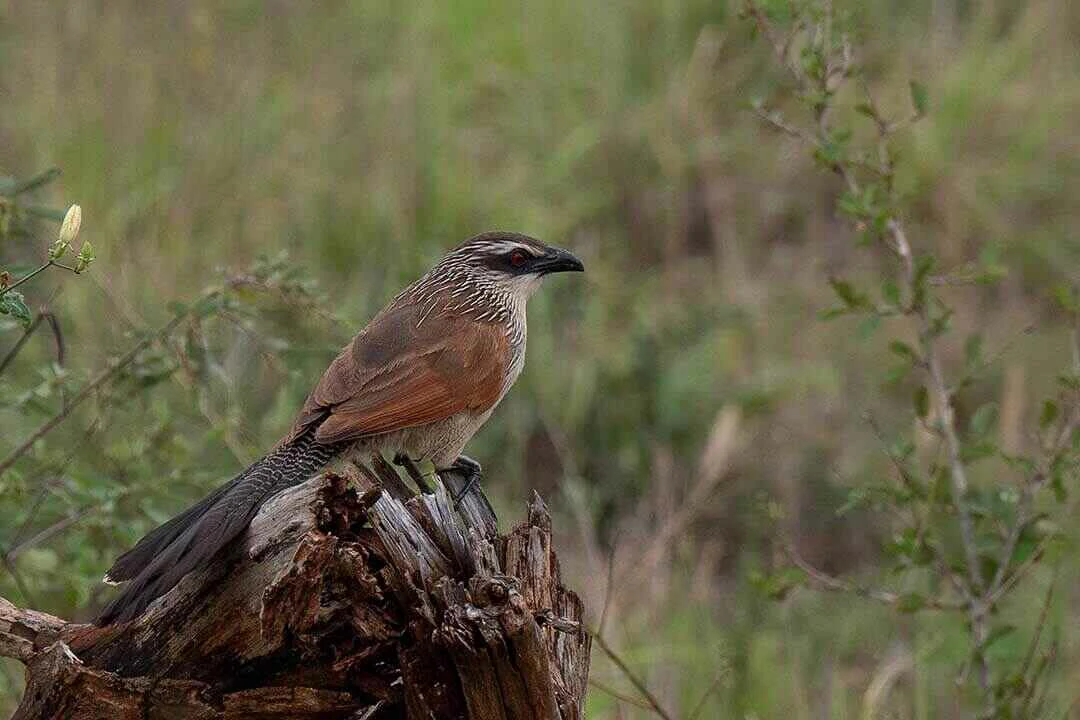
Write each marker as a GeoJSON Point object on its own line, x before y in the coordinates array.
{"type": "Point", "coordinates": [401, 373]}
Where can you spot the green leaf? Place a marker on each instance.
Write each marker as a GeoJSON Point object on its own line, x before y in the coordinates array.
{"type": "Point", "coordinates": [902, 449]}
{"type": "Point", "coordinates": [777, 585]}
{"type": "Point", "coordinates": [1057, 483]}
{"type": "Point", "coordinates": [1068, 298]}
{"type": "Point", "coordinates": [923, 265]}
{"type": "Point", "coordinates": [998, 633]}
{"type": "Point", "coordinates": [991, 274]}
{"type": "Point", "coordinates": [832, 313]}
{"type": "Point", "coordinates": [983, 419]}
{"type": "Point", "coordinates": [85, 258]}
{"type": "Point", "coordinates": [208, 305]}
{"type": "Point", "coordinates": [813, 61]}
{"type": "Point", "coordinates": [866, 109]}
{"type": "Point", "coordinates": [901, 348]}
{"type": "Point", "coordinates": [847, 293]}
{"type": "Point", "coordinates": [920, 99]}
{"type": "Point", "coordinates": [868, 327]}
{"type": "Point", "coordinates": [971, 452]}
{"type": "Point", "coordinates": [897, 373]}
{"type": "Point", "coordinates": [12, 303]}
{"type": "Point", "coordinates": [922, 402]}
{"type": "Point", "coordinates": [973, 351]}
{"type": "Point", "coordinates": [857, 497]}
{"type": "Point", "coordinates": [910, 602]}
{"type": "Point", "coordinates": [989, 268]}
{"type": "Point", "coordinates": [890, 292]}
{"type": "Point", "coordinates": [1049, 414]}
{"type": "Point", "coordinates": [940, 318]}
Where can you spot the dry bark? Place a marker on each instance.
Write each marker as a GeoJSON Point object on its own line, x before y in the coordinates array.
{"type": "Point", "coordinates": [341, 601]}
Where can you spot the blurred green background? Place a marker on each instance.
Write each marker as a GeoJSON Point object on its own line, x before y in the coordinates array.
{"type": "Point", "coordinates": [675, 398]}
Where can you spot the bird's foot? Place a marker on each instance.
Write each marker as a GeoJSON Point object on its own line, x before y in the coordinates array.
{"type": "Point", "coordinates": [470, 470]}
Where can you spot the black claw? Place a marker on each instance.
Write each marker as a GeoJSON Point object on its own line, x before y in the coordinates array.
{"type": "Point", "coordinates": [472, 482]}
{"type": "Point", "coordinates": [471, 471]}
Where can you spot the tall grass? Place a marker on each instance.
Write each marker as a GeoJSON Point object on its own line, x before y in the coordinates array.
{"type": "Point", "coordinates": [366, 138]}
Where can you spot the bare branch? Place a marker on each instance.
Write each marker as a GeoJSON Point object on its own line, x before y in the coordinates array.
{"type": "Point", "coordinates": [41, 536]}
{"type": "Point", "coordinates": [1018, 573]}
{"type": "Point", "coordinates": [103, 377]}
{"type": "Point", "coordinates": [619, 695]}
{"type": "Point", "coordinates": [835, 584]}
{"type": "Point", "coordinates": [781, 45]}
{"type": "Point", "coordinates": [713, 687]}
{"type": "Point", "coordinates": [777, 121]}
{"type": "Point", "coordinates": [14, 351]}
{"type": "Point", "coordinates": [630, 675]}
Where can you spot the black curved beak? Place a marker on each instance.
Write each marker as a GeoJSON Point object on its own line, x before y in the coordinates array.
{"type": "Point", "coordinates": [558, 260]}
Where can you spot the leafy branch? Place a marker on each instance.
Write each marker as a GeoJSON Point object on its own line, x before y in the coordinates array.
{"type": "Point", "coordinates": [13, 303]}
{"type": "Point", "coordinates": [809, 42]}
{"type": "Point", "coordinates": [144, 363]}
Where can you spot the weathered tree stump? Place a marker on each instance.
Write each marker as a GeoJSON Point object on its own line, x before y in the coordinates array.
{"type": "Point", "coordinates": [342, 600]}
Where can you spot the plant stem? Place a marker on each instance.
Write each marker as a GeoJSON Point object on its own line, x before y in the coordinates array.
{"type": "Point", "coordinates": [102, 377]}
{"type": "Point", "coordinates": [26, 277]}
{"type": "Point", "coordinates": [34, 324]}
{"type": "Point", "coordinates": [637, 682]}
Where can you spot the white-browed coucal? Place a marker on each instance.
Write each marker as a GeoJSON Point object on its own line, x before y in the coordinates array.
{"type": "Point", "coordinates": [419, 381]}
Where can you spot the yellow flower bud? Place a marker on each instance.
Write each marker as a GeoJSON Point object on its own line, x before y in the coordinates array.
{"type": "Point", "coordinates": [69, 230]}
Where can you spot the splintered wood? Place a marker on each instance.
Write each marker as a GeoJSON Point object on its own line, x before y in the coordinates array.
{"type": "Point", "coordinates": [341, 601]}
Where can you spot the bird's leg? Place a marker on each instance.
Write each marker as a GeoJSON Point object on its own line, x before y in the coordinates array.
{"type": "Point", "coordinates": [404, 461]}
{"type": "Point", "coordinates": [470, 470]}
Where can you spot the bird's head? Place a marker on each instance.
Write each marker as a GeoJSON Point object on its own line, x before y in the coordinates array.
{"type": "Point", "coordinates": [512, 261]}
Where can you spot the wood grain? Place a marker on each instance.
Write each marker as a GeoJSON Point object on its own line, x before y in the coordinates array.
{"type": "Point", "coordinates": [341, 601]}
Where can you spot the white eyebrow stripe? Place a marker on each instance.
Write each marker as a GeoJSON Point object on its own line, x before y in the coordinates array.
{"type": "Point", "coordinates": [520, 246]}
{"type": "Point", "coordinates": [505, 246]}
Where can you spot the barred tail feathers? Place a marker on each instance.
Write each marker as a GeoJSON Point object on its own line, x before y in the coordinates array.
{"type": "Point", "coordinates": [192, 539]}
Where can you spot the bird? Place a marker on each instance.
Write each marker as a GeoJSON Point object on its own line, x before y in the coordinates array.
{"type": "Point", "coordinates": [418, 381]}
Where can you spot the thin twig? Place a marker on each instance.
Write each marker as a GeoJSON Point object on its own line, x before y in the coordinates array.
{"type": "Point", "coordinates": [637, 682]}
{"type": "Point", "coordinates": [781, 47]}
{"type": "Point", "coordinates": [618, 695]}
{"type": "Point", "coordinates": [1021, 570]}
{"type": "Point", "coordinates": [713, 686]}
{"type": "Point", "coordinates": [829, 582]}
{"type": "Point", "coordinates": [57, 469]}
{"type": "Point", "coordinates": [270, 358]}
{"type": "Point", "coordinates": [947, 418]}
{"type": "Point", "coordinates": [34, 324]}
{"type": "Point", "coordinates": [608, 587]}
{"type": "Point", "coordinates": [24, 278]}
{"type": "Point", "coordinates": [909, 481]}
{"type": "Point", "coordinates": [20, 583]}
{"type": "Point", "coordinates": [58, 335]}
{"type": "Point", "coordinates": [776, 120]}
{"type": "Point", "coordinates": [1043, 614]}
{"type": "Point", "coordinates": [1024, 507]}
{"type": "Point", "coordinates": [716, 461]}
{"type": "Point", "coordinates": [54, 529]}
{"type": "Point", "coordinates": [103, 377]}
{"type": "Point", "coordinates": [568, 486]}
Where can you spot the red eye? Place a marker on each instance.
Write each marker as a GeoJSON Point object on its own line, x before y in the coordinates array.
{"type": "Point", "coordinates": [518, 259]}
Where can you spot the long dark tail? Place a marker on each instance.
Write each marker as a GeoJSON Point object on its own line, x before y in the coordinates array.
{"type": "Point", "coordinates": [190, 540]}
